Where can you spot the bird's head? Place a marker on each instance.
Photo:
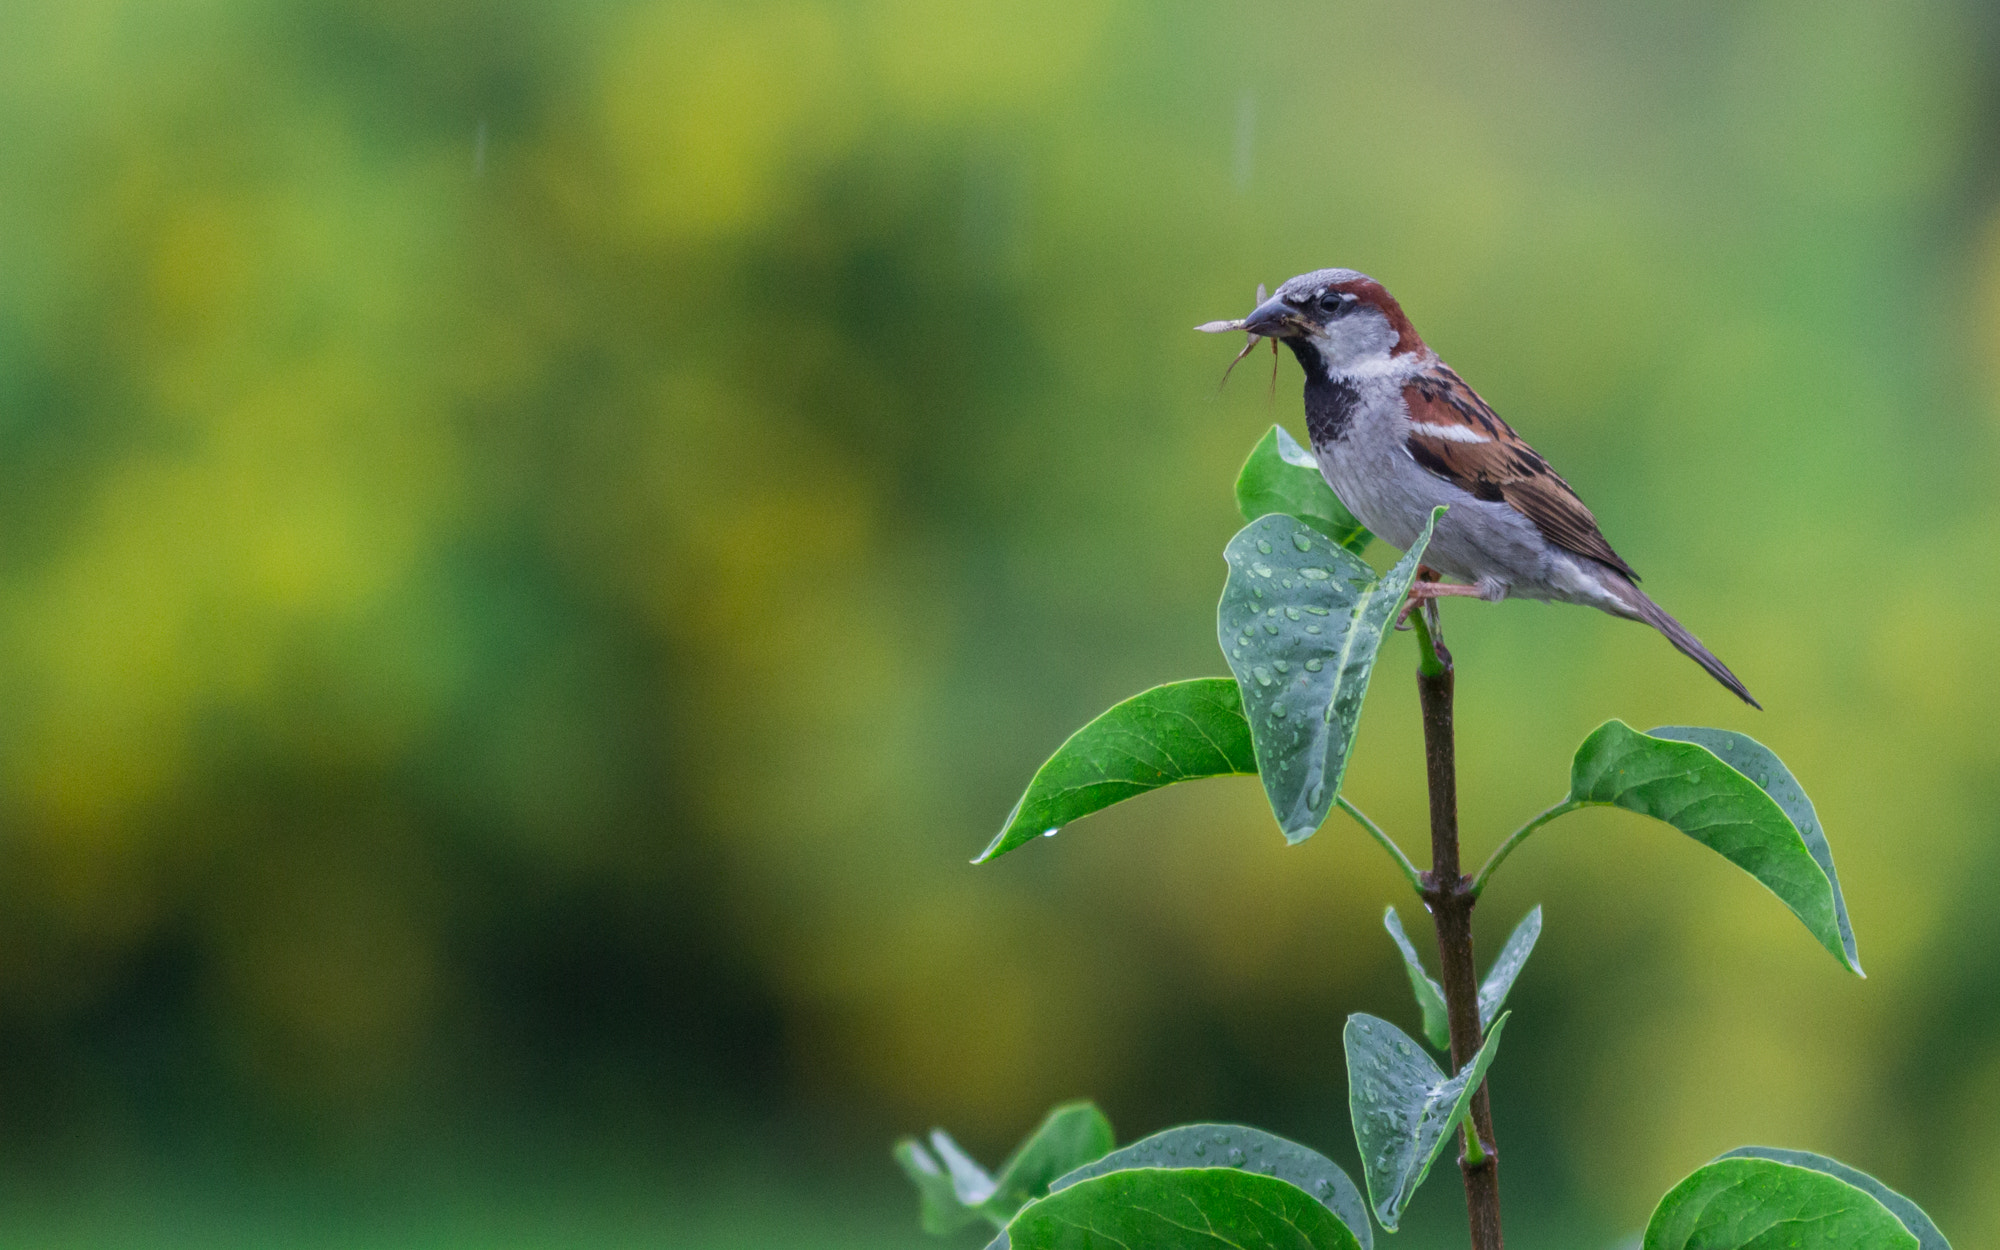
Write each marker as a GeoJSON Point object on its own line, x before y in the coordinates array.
{"type": "Point", "coordinates": [1334, 320]}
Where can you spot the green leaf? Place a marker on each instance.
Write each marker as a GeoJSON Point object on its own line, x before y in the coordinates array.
{"type": "Point", "coordinates": [941, 1211]}
{"type": "Point", "coordinates": [1182, 731]}
{"type": "Point", "coordinates": [1430, 995]}
{"type": "Point", "coordinates": [1281, 476]}
{"type": "Point", "coordinates": [1691, 788]}
{"type": "Point", "coordinates": [1404, 1108]}
{"type": "Point", "coordinates": [1232, 1145]}
{"type": "Point", "coordinates": [1301, 620]}
{"type": "Point", "coordinates": [1068, 1138]}
{"type": "Point", "coordinates": [1513, 957]}
{"type": "Point", "coordinates": [1761, 1204]}
{"type": "Point", "coordinates": [1492, 991]}
{"type": "Point", "coordinates": [1180, 1209]}
{"type": "Point", "coordinates": [1909, 1213]}
{"type": "Point", "coordinates": [1760, 764]}
{"type": "Point", "coordinates": [955, 1191]}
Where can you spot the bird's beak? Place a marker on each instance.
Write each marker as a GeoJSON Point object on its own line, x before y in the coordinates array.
{"type": "Point", "coordinates": [1271, 319]}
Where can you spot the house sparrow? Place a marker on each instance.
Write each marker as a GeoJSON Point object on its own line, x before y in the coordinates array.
{"type": "Point", "coordinates": [1397, 433]}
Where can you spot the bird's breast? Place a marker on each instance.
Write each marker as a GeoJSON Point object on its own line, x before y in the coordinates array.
{"type": "Point", "coordinates": [1330, 408]}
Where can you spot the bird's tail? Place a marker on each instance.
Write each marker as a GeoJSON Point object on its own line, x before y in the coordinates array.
{"type": "Point", "coordinates": [1644, 609]}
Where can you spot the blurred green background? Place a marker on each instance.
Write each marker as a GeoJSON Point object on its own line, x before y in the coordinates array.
{"type": "Point", "coordinates": [536, 541]}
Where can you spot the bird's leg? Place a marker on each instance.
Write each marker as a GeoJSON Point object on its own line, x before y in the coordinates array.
{"type": "Point", "coordinates": [1427, 589]}
{"type": "Point", "coordinates": [1444, 590]}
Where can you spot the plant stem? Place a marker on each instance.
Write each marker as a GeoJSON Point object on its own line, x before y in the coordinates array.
{"type": "Point", "coordinates": [1388, 843]}
{"type": "Point", "coordinates": [1516, 838]}
{"type": "Point", "coordinates": [1449, 895]}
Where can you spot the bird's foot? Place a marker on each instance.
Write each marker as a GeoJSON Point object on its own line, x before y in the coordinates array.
{"type": "Point", "coordinates": [1427, 590]}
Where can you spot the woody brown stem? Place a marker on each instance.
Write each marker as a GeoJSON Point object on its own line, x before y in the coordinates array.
{"type": "Point", "coordinates": [1449, 895]}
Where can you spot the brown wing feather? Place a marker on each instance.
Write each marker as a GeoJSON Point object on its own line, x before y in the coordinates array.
{"type": "Point", "coordinates": [1497, 465]}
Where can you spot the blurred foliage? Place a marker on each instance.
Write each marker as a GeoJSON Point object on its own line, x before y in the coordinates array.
{"type": "Point", "coordinates": [535, 541]}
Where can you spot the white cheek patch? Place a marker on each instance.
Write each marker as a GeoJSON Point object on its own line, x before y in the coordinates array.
{"type": "Point", "coordinates": [1449, 433]}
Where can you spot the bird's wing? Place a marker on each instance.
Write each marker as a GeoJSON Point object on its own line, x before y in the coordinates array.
{"type": "Point", "coordinates": [1456, 436]}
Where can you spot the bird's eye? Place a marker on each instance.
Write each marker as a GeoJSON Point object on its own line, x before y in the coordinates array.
{"type": "Point", "coordinates": [1332, 302]}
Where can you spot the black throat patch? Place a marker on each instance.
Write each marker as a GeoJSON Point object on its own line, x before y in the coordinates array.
{"type": "Point", "coordinates": [1329, 401]}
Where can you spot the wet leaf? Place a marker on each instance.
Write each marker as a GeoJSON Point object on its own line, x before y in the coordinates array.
{"type": "Point", "coordinates": [1513, 957]}
{"type": "Point", "coordinates": [1909, 1213]}
{"type": "Point", "coordinates": [1688, 785]}
{"type": "Point", "coordinates": [1181, 731]}
{"type": "Point", "coordinates": [1761, 1204]}
{"type": "Point", "coordinates": [1430, 995]}
{"type": "Point", "coordinates": [1404, 1107]}
{"type": "Point", "coordinates": [1301, 620]}
{"type": "Point", "coordinates": [1281, 476]}
{"type": "Point", "coordinates": [1180, 1209]}
{"type": "Point", "coordinates": [1253, 1150]}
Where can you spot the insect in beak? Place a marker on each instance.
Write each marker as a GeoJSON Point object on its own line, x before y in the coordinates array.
{"type": "Point", "coordinates": [1225, 327]}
